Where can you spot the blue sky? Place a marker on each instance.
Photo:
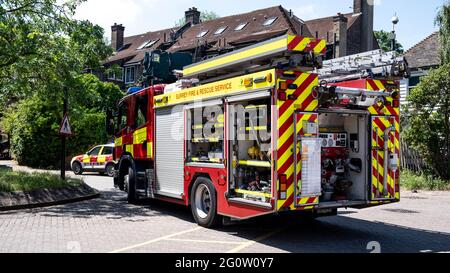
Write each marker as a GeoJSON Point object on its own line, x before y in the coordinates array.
{"type": "Point", "coordinates": [139, 16]}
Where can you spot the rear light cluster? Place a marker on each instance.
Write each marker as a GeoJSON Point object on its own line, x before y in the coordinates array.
{"type": "Point", "coordinates": [282, 178]}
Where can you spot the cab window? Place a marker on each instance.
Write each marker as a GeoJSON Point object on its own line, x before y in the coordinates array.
{"type": "Point", "coordinates": [95, 151]}
{"type": "Point", "coordinates": [122, 117]}
{"type": "Point", "coordinates": [141, 111]}
{"type": "Point", "coordinates": [107, 150]}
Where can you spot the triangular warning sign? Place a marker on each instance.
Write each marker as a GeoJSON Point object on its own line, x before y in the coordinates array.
{"type": "Point", "coordinates": [65, 128]}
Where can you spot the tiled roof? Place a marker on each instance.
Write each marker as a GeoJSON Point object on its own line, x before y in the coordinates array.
{"type": "Point", "coordinates": [425, 53]}
{"type": "Point", "coordinates": [254, 31]}
{"type": "Point", "coordinates": [324, 26]}
{"type": "Point", "coordinates": [130, 52]}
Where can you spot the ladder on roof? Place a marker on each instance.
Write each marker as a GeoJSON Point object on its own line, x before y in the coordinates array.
{"type": "Point", "coordinates": [283, 51]}
{"type": "Point", "coordinates": [371, 64]}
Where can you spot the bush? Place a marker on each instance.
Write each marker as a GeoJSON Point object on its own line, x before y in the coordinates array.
{"type": "Point", "coordinates": [33, 123]}
{"type": "Point", "coordinates": [412, 181]}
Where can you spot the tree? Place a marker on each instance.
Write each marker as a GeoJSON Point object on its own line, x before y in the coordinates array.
{"type": "Point", "coordinates": [384, 40]}
{"type": "Point", "coordinates": [428, 120]}
{"type": "Point", "coordinates": [443, 21]}
{"type": "Point", "coordinates": [33, 122]}
{"type": "Point", "coordinates": [204, 16]}
{"type": "Point", "coordinates": [43, 49]}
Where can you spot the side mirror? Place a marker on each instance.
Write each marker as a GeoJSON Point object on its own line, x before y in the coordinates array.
{"type": "Point", "coordinates": [109, 123]}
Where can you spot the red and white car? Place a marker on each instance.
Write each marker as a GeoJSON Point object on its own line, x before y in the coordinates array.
{"type": "Point", "coordinates": [98, 159]}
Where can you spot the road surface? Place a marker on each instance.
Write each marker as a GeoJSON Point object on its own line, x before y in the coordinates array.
{"type": "Point", "coordinates": [419, 223]}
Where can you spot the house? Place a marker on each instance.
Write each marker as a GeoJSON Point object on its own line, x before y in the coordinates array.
{"type": "Point", "coordinates": [421, 58]}
{"type": "Point", "coordinates": [345, 34]}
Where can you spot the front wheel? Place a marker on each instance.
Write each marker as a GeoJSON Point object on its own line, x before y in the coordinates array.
{"type": "Point", "coordinates": [130, 185]}
{"type": "Point", "coordinates": [204, 203]}
{"type": "Point", "coordinates": [76, 168]}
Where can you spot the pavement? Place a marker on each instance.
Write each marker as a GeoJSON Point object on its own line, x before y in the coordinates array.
{"type": "Point", "coordinates": [420, 222]}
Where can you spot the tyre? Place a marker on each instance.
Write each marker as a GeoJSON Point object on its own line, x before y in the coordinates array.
{"type": "Point", "coordinates": [204, 203]}
{"type": "Point", "coordinates": [130, 185]}
{"type": "Point", "coordinates": [76, 168]}
{"type": "Point", "coordinates": [109, 170]}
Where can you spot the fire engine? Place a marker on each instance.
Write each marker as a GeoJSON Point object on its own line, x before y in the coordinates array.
{"type": "Point", "coordinates": [265, 129]}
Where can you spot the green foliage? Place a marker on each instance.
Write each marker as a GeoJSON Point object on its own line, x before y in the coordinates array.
{"type": "Point", "coordinates": [412, 181]}
{"type": "Point", "coordinates": [22, 181]}
{"type": "Point", "coordinates": [33, 122]}
{"type": "Point", "coordinates": [384, 40]}
{"type": "Point", "coordinates": [43, 49]}
{"type": "Point", "coordinates": [427, 119]}
{"type": "Point", "coordinates": [443, 21]}
{"type": "Point", "coordinates": [204, 16]}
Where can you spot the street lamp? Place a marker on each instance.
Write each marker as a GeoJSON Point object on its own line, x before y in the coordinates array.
{"type": "Point", "coordinates": [394, 21]}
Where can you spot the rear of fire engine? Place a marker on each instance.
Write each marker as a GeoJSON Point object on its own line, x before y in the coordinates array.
{"type": "Point", "coordinates": [263, 130]}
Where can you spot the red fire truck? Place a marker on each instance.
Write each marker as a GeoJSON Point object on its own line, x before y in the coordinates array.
{"type": "Point", "coordinates": [265, 129]}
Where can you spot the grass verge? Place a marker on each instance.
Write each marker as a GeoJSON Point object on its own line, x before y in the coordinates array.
{"type": "Point", "coordinates": [413, 181]}
{"type": "Point", "coordinates": [23, 181]}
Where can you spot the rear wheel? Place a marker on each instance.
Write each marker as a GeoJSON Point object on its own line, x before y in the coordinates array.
{"type": "Point", "coordinates": [109, 170]}
{"type": "Point", "coordinates": [204, 203]}
{"type": "Point", "coordinates": [76, 168]}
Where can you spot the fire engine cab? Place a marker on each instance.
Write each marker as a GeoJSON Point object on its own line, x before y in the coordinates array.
{"type": "Point", "coordinates": [265, 129]}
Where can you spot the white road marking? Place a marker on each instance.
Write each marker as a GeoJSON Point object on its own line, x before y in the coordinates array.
{"type": "Point", "coordinates": [258, 239]}
{"type": "Point", "coordinates": [204, 241]}
{"type": "Point", "coordinates": [155, 240]}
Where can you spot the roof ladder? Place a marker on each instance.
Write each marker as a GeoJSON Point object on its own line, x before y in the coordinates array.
{"type": "Point", "coordinates": [284, 51]}
{"type": "Point", "coordinates": [370, 64]}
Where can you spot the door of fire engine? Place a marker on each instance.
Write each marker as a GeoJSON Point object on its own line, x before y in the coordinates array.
{"type": "Point", "coordinates": [307, 157]}
{"type": "Point", "coordinates": [384, 158]}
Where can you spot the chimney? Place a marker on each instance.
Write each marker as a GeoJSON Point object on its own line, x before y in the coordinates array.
{"type": "Point", "coordinates": [340, 33]}
{"type": "Point", "coordinates": [192, 15]}
{"type": "Point", "coordinates": [365, 8]}
{"type": "Point", "coordinates": [117, 32]}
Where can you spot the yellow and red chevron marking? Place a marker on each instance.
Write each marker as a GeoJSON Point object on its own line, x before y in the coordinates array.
{"type": "Point", "coordinates": [388, 110]}
{"type": "Point", "coordinates": [305, 102]}
{"type": "Point", "coordinates": [307, 201]}
{"type": "Point", "coordinates": [306, 44]}
{"type": "Point", "coordinates": [379, 125]}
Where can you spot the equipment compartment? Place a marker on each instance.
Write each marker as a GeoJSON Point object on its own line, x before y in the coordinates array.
{"type": "Point", "coordinates": [250, 150]}
{"type": "Point", "coordinates": [344, 156]}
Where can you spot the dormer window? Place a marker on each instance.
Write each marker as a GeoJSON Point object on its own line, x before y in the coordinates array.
{"type": "Point", "coordinates": [220, 30]}
{"type": "Point", "coordinates": [269, 21]}
{"type": "Point", "coordinates": [201, 34]}
{"type": "Point", "coordinates": [241, 26]}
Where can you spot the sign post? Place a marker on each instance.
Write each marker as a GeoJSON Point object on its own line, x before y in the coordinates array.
{"type": "Point", "coordinates": [64, 131]}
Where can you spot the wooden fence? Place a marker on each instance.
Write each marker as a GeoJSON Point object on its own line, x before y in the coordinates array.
{"type": "Point", "coordinates": [410, 159]}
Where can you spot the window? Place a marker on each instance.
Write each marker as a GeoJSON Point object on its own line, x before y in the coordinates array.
{"type": "Point", "coordinates": [269, 21]}
{"type": "Point", "coordinates": [206, 134]}
{"type": "Point", "coordinates": [129, 74]}
{"type": "Point", "coordinates": [220, 30]}
{"type": "Point", "coordinates": [122, 117]}
{"type": "Point", "coordinates": [147, 44]}
{"type": "Point", "coordinates": [140, 117]}
{"type": "Point", "coordinates": [203, 33]}
{"type": "Point", "coordinates": [241, 26]}
{"type": "Point", "coordinates": [111, 75]}
{"type": "Point", "coordinates": [115, 74]}
{"type": "Point", "coordinates": [107, 150]}
{"type": "Point", "coordinates": [95, 151]}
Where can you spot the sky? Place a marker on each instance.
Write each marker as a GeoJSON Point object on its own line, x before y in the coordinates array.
{"type": "Point", "coordinates": [139, 16]}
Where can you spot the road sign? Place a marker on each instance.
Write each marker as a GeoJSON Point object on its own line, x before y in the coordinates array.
{"type": "Point", "coordinates": [65, 128]}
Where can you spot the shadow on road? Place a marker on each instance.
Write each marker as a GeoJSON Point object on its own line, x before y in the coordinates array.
{"type": "Point", "coordinates": [331, 234]}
